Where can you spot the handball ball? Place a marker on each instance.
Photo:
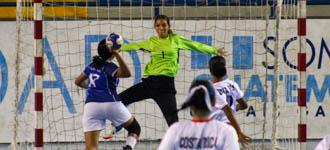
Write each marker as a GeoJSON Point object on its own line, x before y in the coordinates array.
{"type": "Point", "coordinates": [114, 41]}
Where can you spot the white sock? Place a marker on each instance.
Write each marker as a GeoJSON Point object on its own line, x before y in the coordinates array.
{"type": "Point", "coordinates": [131, 141]}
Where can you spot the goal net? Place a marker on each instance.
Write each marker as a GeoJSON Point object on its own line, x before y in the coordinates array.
{"type": "Point", "coordinates": [72, 28]}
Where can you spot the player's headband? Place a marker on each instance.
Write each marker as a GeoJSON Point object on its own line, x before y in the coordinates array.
{"type": "Point", "coordinates": [206, 96]}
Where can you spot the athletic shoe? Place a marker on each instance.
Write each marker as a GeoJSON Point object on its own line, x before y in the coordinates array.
{"type": "Point", "coordinates": [110, 134]}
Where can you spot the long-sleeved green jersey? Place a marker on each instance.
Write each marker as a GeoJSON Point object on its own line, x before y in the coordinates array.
{"type": "Point", "coordinates": [164, 53]}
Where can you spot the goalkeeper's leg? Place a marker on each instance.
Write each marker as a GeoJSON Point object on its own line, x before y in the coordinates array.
{"type": "Point", "coordinates": [167, 104]}
{"type": "Point", "coordinates": [131, 95]}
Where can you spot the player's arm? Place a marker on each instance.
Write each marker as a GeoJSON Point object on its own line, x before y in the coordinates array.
{"type": "Point", "coordinates": [239, 96]}
{"type": "Point", "coordinates": [241, 105]}
{"type": "Point", "coordinates": [144, 45]}
{"type": "Point", "coordinates": [242, 138]}
{"type": "Point", "coordinates": [123, 70]}
{"type": "Point", "coordinates": [81, 81]}
{"type": "Point", "coordinates": [193, 45]}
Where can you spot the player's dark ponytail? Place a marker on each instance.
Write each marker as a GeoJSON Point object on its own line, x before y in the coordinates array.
{"type": "Point", "coordinates": [98, 61]}
{"type": "Point", "coordinates": [196, 100]}
{"type": "Point", "coordinates": [197, 97]}
{"type": "Point", "coordinates": [104, 53]}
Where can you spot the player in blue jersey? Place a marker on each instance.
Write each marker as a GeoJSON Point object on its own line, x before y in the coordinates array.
{"type": "Point", "coordinates": [101, 78]}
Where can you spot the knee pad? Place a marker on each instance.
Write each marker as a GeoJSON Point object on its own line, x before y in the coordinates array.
{"type": "Point", "coordinates": [134, 127]}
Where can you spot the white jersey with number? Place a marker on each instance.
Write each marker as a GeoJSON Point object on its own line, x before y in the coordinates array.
{"type": "Point", "coordinates": [230, 92]}
{"type": "Point", "coordinates": [324, 144]}
{"type": "Point", "coordinates": [220, 100]}
{"type": "Point", "coordinates": [200, 135]}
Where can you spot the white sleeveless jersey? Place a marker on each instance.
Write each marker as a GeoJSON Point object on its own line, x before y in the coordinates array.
{"type": "Point", "coordinates": [230, 92]}
{"type": "Point", "coordinates": [200, 135]}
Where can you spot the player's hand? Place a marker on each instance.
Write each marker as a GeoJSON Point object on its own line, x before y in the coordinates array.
{"type": "Point", "coordinates": [116, 52]}
{"type": "Point", "coordinates": [221, 52]}
{"type": "Point", "coordinates": [243, 139]}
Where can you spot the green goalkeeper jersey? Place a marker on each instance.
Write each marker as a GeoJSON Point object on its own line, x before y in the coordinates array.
{"type": "Point", "coordinates": [164, 53]}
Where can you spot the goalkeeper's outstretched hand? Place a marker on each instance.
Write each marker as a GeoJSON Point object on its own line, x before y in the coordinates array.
{"type": "Point", "coordinates": [222, 52]}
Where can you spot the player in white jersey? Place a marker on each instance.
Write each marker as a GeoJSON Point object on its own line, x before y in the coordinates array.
{"type": "Point", "coordinates": [225, 86]}
{"type": "Point", "coordinates": [324, 144]}
{"type": "Point", "coordinates": [201, 132]}
{"type": "Point", "coordinates": [228, 91]}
